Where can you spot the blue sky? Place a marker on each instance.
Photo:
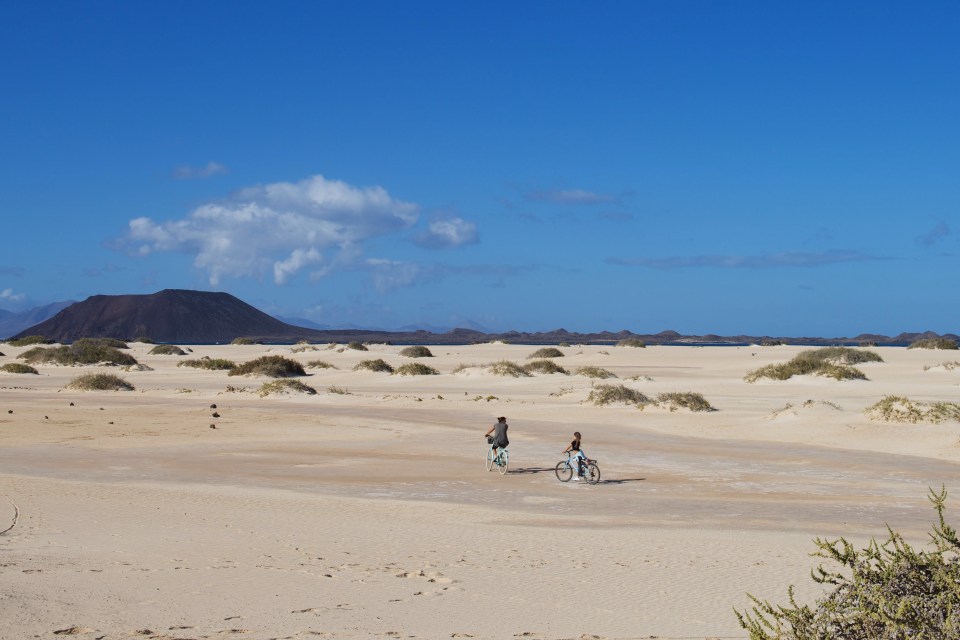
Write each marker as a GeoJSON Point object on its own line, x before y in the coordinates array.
{"type": "Point", "coordinates": [778, 168]}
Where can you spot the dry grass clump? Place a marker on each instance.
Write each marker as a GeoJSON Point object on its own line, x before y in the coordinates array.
{"type": "Point", "coordinates": [244, 341]}
{"type": "Point", "coordinates": [303, 348]}
{"type": "Point", "coordinates": [26, 341]}
{"type": "Point", "coordinates": [374, 365]}
{"type": "Point", "coordinates": [415, 369]}
{"type": "Point", "coordinates": [770, 342]}
{"type": "Point", "coordinates": [82, 352]}
{"type": "Point", "coordinates": [684, 400]}
{"type": "Point", "coordinates": [167, 350]}
{"type": "Point", "coordinates": [831, 362]}
{"type": "Point", "coordinates": [416, 352]}
{"type": "Point", "coordinates": [18, 367]}
{"type": "Point", "coordinates": [282, 387]}
{"type": "Point", "coordinates": [544, 366]}
{"type": "Point", "coordinates": [319, 364]}
{"type": "Point", "coordinates": [340, 391]}
{"type": "Point", "coordinates": [902, 409]}
{"type": "Point", "coordinates": [595, 372]}
{"type": "Point", "coordinates": [357, 346]}
{"type": "Point", "coordinates": [546, 352]}
{"type": "Point", "coordinates": [211, 364]}
{"type": "Point", "coordinates": [143, 339]}
{"type": "Point", "coordinates": [616, 393]}
{"type": "Point", "coordinates": [273, 366]}
{"type": "Point", "coordinates": [106, 342]}
{"type": "Point", "coordinates": [507, 368]}
{"type": "Point", "coordinates": [948, 366]}
{"type": "Point", "coordinates": [631, 342]}
{"type": "Point", "coordinates": [934, 343]}
{"type": "Point", "coordinates": [99, 382]}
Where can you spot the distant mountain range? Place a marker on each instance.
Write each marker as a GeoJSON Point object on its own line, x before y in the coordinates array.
{"type": "Point", "coordinates": [201, 317]}
{"type": "Point", "coordinates": [12, 323]}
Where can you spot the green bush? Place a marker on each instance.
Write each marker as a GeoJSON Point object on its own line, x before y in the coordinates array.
{"type": "Point", "coordinates": [831, 362]}
{"type": "Point", "coordinates": [631, 342]}
{"type": "Point", "coordinates": [272, 366]}
{"type": "Point", "coordinates": [279, 387]}
{"type": "Point", "coordinates": [415, 369]}
{"type": "Point", "coordinates": [143, 339]}
{"type": "Point", "coordinates": [546, 352]}
{"type": "Point", "coordinates": [18, 367]}
{"type": "Point", "coordinates": [378, 365]}
{"type": "Point", "coordinates": [544, 366]}
{"type": "Point", "coordinates": [206, 362]}
{"type": "Point", "coordinates": [416, 352]}
{"type": "Point", "coordinates": [99, 382]}
{"type": "Point", "coordinates": [244, 341]}
{"type": "Point", "coordinates": [886, 591]}
{"type": "Point", "coordinates": [685, 400]}
{"type": "Point", "coordinates": [507, 368]}
{"type": "Point", "coordinates": [104, 342]}
{"type": "Point", "coordinates": [26, 341]}
{"type": "Point", "coordinates": [167, 350]}
{"type": "Point", "coordinates": [616, 393]}
{"type": "Point", "coordinates": [320, 364]}
{"type": "Point", "coordinates": [595, 372]}
{"type": "Point", "coordinates": [902, 409]}
{"type": "Point", "coordinates": [82, 352]}
{"type": "Point", "coordinates": [357, 346]}
{"type": "Point", "coordinates": [934, 343]}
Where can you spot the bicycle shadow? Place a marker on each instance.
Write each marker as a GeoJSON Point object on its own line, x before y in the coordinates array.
{"type": "Point", "coordinates": [530, 470]}
{"type": "Point", "coordinates": [621, 480]}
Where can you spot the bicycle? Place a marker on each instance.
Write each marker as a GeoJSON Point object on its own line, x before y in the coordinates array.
{"type": "Point", "coordinates": [501, 460]}
{"type": "Point", "coordinates": [589, 470]}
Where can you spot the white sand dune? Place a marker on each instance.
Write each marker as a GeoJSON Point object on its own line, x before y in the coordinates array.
{"type": "Point", "coordinates": [367, 512]}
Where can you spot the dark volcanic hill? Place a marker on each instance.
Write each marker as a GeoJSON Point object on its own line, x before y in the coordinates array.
{"type": "Point", "coordinates": [171, 315]}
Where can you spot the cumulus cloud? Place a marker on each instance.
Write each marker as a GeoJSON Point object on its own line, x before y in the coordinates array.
{"type": "Point", "coordinates": [447, 233]}
{"type": "Point", "coordinates": [191, 173]}
{"type": "Point", "coordinates": [9, 295]}
{"type": "Point", "coordinates": [569, 196]}
{"type": "Point", "coordinates": [280, 227]}
{"type": "Point", "coordinates": [765, 261]}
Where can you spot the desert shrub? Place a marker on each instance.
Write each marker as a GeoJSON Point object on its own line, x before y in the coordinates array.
{"type": "Point", "coordinates": [82, 352]}
{"type": "Point", "coordinates": [340, 391]}
{"type": "Point", "coordinates": [507, 368]}
{"type": "Point", "coordinates": [901, 409]}
{"type": "Point", "coordinates": [769, 342]}
{"type": "Point", "coordinates": [867, 343]}
{"type": "Point", "coordinates": [948, 366]}
{"type": "Point", "coordinates": [206, 362]}
{"type": "Point", "coordinates": [595, 372]}
{"type": "Point", "coordinates": [279, 387]}
{"type": "Point", "coordinates": [631, 342]}
{"type": "Point", "coordinates": [99, 382]}
{"type": "Point", "coordinates": [303, 348]}
{"type": "Point", "coordinates": [464, 366]}
{"type": "Point", "coordinates": [616, 393]}
{"type": "Point", "coordinates": [831, 362]}
{"type": "Point", "coordinates": [415, 369]}
{"type": "Point", "coordinates": [18, 367]}
{"type": "Point", "coordinates": [357, 346]}
{"type": "Point", "coordinates": [143, 339]}
{"type": "Point", "coordinates": [244, 341]}
{"type": "Point", "coordinates": [167, 350]}
{"type": "Point", "coordinates": [416, 352]}
{"type": "Point", "coordinates": [686, 400]}
{"type": "Point", "coordinates": [886, 591]}
{"type": "Point", "coordinates": [273, 366]}
{"type": "Point", "coordinates": [373, 365]}
{"type": "Point", "coordinates": [320, 364]}
{"type": "Point", "coordinates": [546, 352]}
{"type": "Point", "coordinates": [544, 366]}
{"type": "Point", "coordinates": [105, 342]}
{"type": "Point", "coordinates": [26, 341]}
{"type": "Point", "coordinates": [934, 343]}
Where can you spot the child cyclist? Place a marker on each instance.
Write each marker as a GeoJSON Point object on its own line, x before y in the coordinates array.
{"type": "Point", "coordinates": [577, 456]}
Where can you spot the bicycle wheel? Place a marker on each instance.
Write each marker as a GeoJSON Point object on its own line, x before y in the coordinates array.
{"type": "Point", "coordinates": [504, 461]}
{"type": "Point", "coordinates": [593, 473]}
{"type": "Point", "coordinates": [489, 458]}
{"type": "Point", "coordinates": [564, 471]}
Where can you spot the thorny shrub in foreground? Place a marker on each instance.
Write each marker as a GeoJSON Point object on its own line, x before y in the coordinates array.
{"type": "Point", "coordinates": [888, 591]}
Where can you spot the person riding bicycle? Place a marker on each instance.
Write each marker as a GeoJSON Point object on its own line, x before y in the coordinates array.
{"type": "Point", "coordinates": [499, 431]}
{"type": "Point", "coordinates": [576, 453]}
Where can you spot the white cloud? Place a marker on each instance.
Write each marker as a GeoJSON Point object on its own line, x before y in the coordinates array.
{"type": "Point", "coordinates": [8, 294]}
{"type": "Point", "coordinates": [282, 225]}
{"type": "Point", "coordinates": [391, 274]}
{"type": "Point", "coordinates": [447, 233]}
{"type": "Point", "coordinates": [570, 196]}
{"type": "Point", "coordinates": [188, 173]}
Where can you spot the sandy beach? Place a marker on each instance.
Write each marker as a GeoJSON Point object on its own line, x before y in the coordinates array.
{"type": "Point", "coordinates": [367, 513]}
